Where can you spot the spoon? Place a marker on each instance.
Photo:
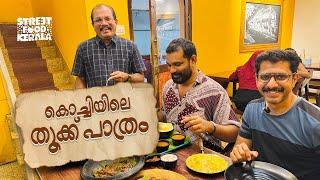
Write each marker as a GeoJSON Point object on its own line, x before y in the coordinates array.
{"type": "Point", "coordinates": [201, 145]}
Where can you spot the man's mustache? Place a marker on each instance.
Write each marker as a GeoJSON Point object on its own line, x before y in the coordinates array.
{"type": "Point", "coordinates": [106, 26]}
{"type": "Point", "coordinates": [176, 75]}
{"type": "Point", "coordinates": [277, 89]}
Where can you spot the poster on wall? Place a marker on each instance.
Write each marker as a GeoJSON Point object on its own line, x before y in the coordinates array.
{"type": "Point", "coordinates": [260, 25]}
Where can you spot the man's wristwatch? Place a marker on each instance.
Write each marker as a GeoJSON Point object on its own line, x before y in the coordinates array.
{"type": "Point", "coordinates": [128, 79]}
{"type": "Point", "coordinates": [214, 128]}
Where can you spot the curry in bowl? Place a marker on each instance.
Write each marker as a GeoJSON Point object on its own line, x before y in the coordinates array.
{"type": "Point", "coordinates": [152, 160]}
{"type": "Point", "coordinates": [178, 139]}
{"type": "Point", "coordinates": [162, 146]}
{"type": "Point", "coordinates": [165, 130]}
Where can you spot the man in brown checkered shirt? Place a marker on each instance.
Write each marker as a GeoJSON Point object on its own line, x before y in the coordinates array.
{"type": "Point", "coordinates": [106, 59]}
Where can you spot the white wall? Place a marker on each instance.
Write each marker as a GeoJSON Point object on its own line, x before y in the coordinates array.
{"type": "Point", "coordinates": [306, 29]}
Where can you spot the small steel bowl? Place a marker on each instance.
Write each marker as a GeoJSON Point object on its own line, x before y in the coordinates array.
{"type": "Point", "coordinates": [169, 161]}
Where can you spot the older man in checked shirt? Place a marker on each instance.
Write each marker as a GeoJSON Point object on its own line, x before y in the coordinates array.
{"type": "Point", "coordinates": [106, 58]}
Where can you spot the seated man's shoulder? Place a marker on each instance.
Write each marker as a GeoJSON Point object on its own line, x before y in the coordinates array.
{"type": "Point", "coordinates": [309, 108]}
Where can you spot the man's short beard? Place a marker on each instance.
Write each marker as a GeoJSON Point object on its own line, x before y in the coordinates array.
{"type": "Point", "coordinates": [183, 76]}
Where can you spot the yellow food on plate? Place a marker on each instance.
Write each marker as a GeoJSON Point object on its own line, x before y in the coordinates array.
{"type": "Point", "coordinates": [165, 127]}
{"type": "Point", "coordinates": [157, 174]}
{"type": "Point", "coordinates": [206, 163]}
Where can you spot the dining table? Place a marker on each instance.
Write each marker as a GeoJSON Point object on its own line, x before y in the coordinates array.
{"type": "Point", "coordinates": [71, 171]}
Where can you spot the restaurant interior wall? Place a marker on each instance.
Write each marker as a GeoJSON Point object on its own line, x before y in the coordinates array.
{"type": "Point", "coordinates": [306, 28]}
{"type": "Point", "coordinates": [217, 33]}
{"type": "Point", "coordinates": [69, 24]}
{"type": "Point", "coordinates": [210, 21]}
{"type": "Point", "coordinates": [10, 10]}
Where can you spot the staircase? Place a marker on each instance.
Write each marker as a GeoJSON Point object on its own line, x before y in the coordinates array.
{"type": "Point", "coordinates": [34, 65]}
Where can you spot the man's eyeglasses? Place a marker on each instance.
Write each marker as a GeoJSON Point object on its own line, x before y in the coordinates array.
{"type": "Point", "coordinates": [279, 77]}
{"type": "Point", "coordinates": [100, 20]}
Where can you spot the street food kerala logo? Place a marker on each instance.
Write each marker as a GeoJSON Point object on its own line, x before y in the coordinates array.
{"type": "Point", "coordinates": [34, 29]}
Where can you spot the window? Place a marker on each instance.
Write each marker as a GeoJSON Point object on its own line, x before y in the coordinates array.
{"type": "Point", "coordinates": [170, 24]}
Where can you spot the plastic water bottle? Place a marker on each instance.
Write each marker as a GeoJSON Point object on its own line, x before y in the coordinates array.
{"type": "Point", "coordinates": [307, 62]}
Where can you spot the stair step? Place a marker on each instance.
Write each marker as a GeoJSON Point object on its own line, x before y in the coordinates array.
{"type": "Point", "coordinates": [11, 42]}
{"type": "Point", "coordinates": [3, 26]}
{"type": "Point", "coordinates": [39, 89]}
{"type": "Point", "coordinates": [8, 26]}
{"type": "Point", "coordinates": [8, 29]}
{"type": "Point", "coordinates": [26, 60]}
{"type": "Point", "coordinates": [29, 67]}
{"type": "Point", "coordinates": [34, 80]}
{"type": "Point", "coordinates": [9, 32]}
{"type": "Point", "coordinates": [24, 53]}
